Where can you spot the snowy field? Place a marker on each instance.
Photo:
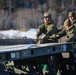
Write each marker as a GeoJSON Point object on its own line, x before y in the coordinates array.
{"type": "Point", "coordinates": [15, 34]}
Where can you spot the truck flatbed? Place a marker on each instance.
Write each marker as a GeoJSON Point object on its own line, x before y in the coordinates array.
{"type": "Point", "coordinates": [15, 52]}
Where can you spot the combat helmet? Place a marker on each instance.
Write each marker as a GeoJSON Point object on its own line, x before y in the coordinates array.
{"type": "Point", "coordinates": [71, 14]}
{"type": "Point", "coordinates": [47, 15]}
{"type": "Point", "coordinates": [67, 22]}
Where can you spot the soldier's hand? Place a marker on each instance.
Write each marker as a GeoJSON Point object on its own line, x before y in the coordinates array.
{"type": "Point", "coordinates": [53, 36]}
{"type": "Point", "coordinates": [36, 38]}
{"type": "Point", "coordinates": [43, 36]}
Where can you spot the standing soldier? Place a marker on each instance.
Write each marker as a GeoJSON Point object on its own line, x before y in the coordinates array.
{"type": "Point", "coordinates": [72, 17]}
{"type": "Point", "coordinates": [47, 28]}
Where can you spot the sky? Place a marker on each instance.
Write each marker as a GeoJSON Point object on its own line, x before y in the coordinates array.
{"type": "Point", "coordinates": [14, 34]}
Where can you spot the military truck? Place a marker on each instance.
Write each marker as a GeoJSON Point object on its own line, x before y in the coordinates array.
{"type": "Point", "coordinates": [28, 59]}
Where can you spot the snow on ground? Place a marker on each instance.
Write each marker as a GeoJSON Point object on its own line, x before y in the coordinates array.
{"type": "Point", "coordinates": [15, 34]}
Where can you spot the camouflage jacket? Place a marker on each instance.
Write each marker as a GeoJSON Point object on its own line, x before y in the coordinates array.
{"type": "Point", "coordinates": [74, 23]}
{"type": "Point", "coordinates": [47, 29]}
{"type": "Point", "coordinates": [71, 34]}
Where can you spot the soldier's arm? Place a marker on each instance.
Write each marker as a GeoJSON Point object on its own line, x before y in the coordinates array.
{"type": "Point", "coordinates": [40, 30]}
{"type": "Point", "coordinates": [51, 30]}
{"type": "Point", "coordinates": [61, 33]}
{"type": "Point", "coordinates": [71, 38]}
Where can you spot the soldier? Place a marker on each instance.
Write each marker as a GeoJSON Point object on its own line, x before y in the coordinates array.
{"type": "Point", "coordinates": [47, 28]}
{"type": "Point", "coordinates": [72, 17]}
{"type": "Point", "coordinates": [69, 30]}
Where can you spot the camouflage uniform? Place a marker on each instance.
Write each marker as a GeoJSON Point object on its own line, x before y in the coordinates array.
{"type": "Point", "coordinates": [63, 30]}
{"type": "Point", "coordinates": [71, 32]}
{"type": "Point", "coordinates": [74, 23]}
{"type": "Point", "coordinates": [47, 29]}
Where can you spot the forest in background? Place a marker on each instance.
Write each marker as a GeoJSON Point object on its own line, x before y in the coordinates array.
{"type": "Point", "coordinates": [26, 14]}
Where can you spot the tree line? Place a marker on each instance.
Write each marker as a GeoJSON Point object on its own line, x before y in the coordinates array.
{"type": "Point", "coordinates": [26, 14]}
